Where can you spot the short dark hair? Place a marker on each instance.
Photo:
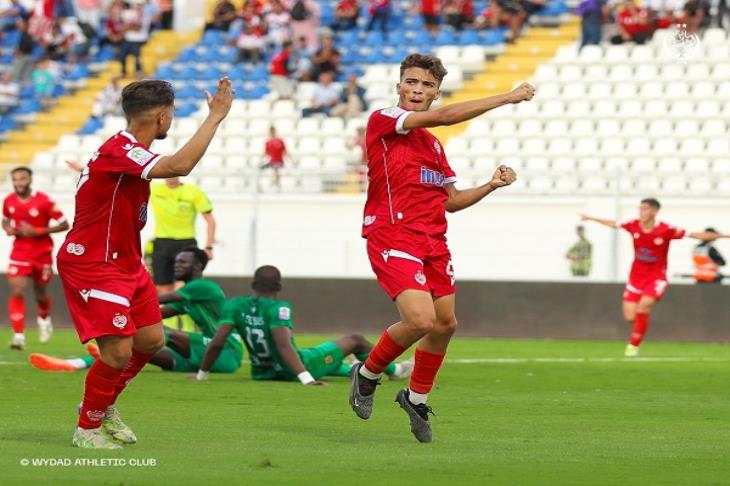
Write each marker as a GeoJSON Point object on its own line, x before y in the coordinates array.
{"type": "Point", "coordinates": [711, 230]}
{"type": "Point", "coordinates": [266, 279]}
{"type": "Point", "coordinates": [199, 255]}
{"type": "Point", "coordinates": [430, 63]}
{"type": "Point", "coordinates": [140, 96]}
{"type": "Point", "coordinates": [22, 168]}
{"type": "Point", "coordinates": [651, 202]}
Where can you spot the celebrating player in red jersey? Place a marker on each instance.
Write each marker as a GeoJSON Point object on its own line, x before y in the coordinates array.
{"type": "Point", "coordinates": [26, 216]}
{"type": "Point", "coordinates": [411, 188]}
{"type": "Point", "coordinates": [648, 277]}
{"type": "Point", "coordinates": [109, 293]}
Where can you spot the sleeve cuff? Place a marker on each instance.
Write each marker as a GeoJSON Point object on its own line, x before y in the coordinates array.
{"type": "Point", "coordinates": [451, 180]}
{"type": "Point", "coordinates": [399, 124]}
{"type": "Point", "coordinates": [149, 166]}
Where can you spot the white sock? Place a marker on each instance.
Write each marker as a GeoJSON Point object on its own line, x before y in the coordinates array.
{"type": "Point", "coordinates": [398, 369]}
{"type": "Point", "coordinates": [417, 398]}
{"type": "Point", "coordinates": [19, 335]}
{"type": "Point", "coordinates": [369, 374]}
{"type": "Point", "coordinates": [77, 363]}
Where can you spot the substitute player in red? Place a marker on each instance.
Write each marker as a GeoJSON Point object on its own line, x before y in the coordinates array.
{"type": "Point", "coordinates": [648, 277]}
{"type": "Point", "coordinates": [109, 293]}
{"type": "Point", "coordinates": [26, 216]}
{"type": "Point", "coordinates": [411, 188]}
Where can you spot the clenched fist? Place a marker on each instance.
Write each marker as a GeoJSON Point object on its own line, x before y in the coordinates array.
{"type": "Point", "coordinates": [503, 176]}
{"type": "Point", "coordinates": [523, 92]}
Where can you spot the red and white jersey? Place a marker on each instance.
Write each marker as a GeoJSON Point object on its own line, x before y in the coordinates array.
{"type": "Point", "coordinates": [111, 204]}
{"type": "Point", "coordinates": [651, 249]}
{"type": "Point", "coordinates": [275, 149]}
{"type": "Point", "coordinates": [408, 171]}
{"type": "Point", "coordinates": [36, 211]}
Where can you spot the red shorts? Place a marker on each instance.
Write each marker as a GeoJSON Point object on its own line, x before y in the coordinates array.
{"type": "Point", "coordinates": [104, 300]}
{"type": "Point", "coordinates": [403, 259]}
{"type": "Point", "coordinates": [40, 268]}
{"type": "Point", "coordinates": [652, 286]}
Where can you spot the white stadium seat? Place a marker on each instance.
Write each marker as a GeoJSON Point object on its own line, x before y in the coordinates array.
{"type": "Point", "coordinates": [563, 164]}
{"type": "Point", "coordinates": [699, 186]}
{"type": "Point", "coordinates": [669, 165]}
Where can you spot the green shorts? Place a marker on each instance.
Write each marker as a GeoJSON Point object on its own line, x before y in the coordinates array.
{"type": "Point", "coordinates": [228, 361]}
{"type": "Point", "coordinates": [324, 360]}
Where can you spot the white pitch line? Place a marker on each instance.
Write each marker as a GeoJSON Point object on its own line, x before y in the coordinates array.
{"type": "Point", "coordinates": [585, 360]}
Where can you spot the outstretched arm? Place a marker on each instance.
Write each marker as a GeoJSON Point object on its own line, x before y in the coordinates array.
{"type": "Point", "coordinates": [707, 235]}
{"type": "Point", "coordinates": [605, 222]}
{"type": "Point", "coordinates": [215, 346]}
{"type": "Point", "coordinates": [462, 199]}
{"type": "Point", "coordinates": [282, 339]}
{"type": "Point", "coordinates": [466, 110]}
{"type": "Point", "coordinates": [185, 159]}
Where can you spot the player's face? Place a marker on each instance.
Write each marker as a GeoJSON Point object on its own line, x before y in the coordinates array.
{"type": "Point", "coordinates": [647, 212]}
{"type": "Point", "coordinates": [21, 182]}
{"type": "Point", "coordinates": [164, 121]}
{"type": "Point", "coordinates": [183, 268]}
{"type": "Point", "coordinates": [418, 88]}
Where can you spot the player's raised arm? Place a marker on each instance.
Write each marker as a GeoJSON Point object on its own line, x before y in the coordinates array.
{"type": "Point", "coordinates": [605, 222]}
{"type": "Point", "coordinates": [282, 339]}
{"type": "Point", "coordinates": [215, 346]}
{"type": "Point", "coordinates": [462, 199]}
{"type": "Point", "coordinates": [185, 159]}
{"type": "Point", "coordinates": [465, 110]}
{"type": "Point", "coordinates": [707, 235]}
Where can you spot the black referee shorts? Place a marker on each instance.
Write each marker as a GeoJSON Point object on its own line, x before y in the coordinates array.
{"type": "Point", "coordinates": [163, 259]}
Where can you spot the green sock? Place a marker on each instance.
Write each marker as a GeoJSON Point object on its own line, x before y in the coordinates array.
{"type": "Point", "coordinates": [89, 360]}
{"type": "Point", "coordinates": [389, 370]}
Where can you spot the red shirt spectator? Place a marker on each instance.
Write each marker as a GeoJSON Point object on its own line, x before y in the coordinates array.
{"type": "Point", "coordinates": [430, 7]}
{"type": "Point", "coordinates": [280, 63]}
{"type": "Point", "coordinates": [634, 20]}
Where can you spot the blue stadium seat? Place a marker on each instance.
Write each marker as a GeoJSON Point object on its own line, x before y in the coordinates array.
{"type": "Point", "coordinates": [186, 55]}
{"type": "Point", "coordinates": [185, 109]}
{"type": "Point", "coordinates": [187, 91]}
{"type": "Point", "coordinates": [30, 105]}
{"type": "Point", "coordinates": [78, 71]}
{"type": "Point", "coordinates": [445, 38]}
{"type": "Point", "coordinates": [374, 38]}
{"type": "Point", "coordinates": [10, 39]}
{"type": "Point", "coordinates": [493, 37]}
{"type": "Point", "coordinates": [91, 126]}
{"type": "Point", "coordinates": [348, 37]}
{"type": "Point", "coordinates": [223, 54]}
{"type": "Point", "coordinates": [213, 38]}
{"type": "Point", "coordinates": [164, 71]}
{"type": "Point", "coordinates": [237, 73]}
{"type": "Point", "coordinates": [210, 72]}
{"type": "Point", "coordinates": [258, 73]}
{"type": "Point", "coordinates": [422, 37]}
{"type": "Point", "coordinates": [185, 72]}
{"type": "Point", "coordinates": [469, 37]}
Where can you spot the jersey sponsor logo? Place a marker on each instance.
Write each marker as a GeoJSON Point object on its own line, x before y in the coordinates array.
{"type": "Point", "coordinates": [119, 321]}
{"type": "Point", "coordinates": [658, 241]}
{"type": "Point", "coordinates": [636, 236]}
{"type": "Point", "coordinates": [429, 176]}
{"type": "Point", "coordinates": [95, 415]}
{"type": "Point", "coordinates": [139, 155]}
{"type": "Point", "coordinates": [33, 212]}
{"type": "Point", "coordinates": [75, 249]}
{"type": "Point", "coordinates": [143, 212]}
{"type": "Point", "coordinates": [645, 255]}
{"type": "Point", "coordinates": [284, 313]}
{"type": "Point", "coordinates": [420, 278]}
{"type": "Point", "coordinates": [392, 112]}
{"type": "Point", "coordinates": [368, 220]}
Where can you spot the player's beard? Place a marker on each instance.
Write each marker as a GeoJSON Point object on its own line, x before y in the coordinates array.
{"type": "Point", "coordinates": [24, 192]}
{"type": "Point", "coordinates": [161, 136]}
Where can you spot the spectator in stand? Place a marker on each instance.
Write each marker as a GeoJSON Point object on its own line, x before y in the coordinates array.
{"type": "Point", "coordinates": [108, 102]}
{"type": "Point", "coordinates": [346, 15]}
{"type": "Point", "coordinates": [302, 60]}
{"type": "Point", "coordinates": [224, 14]}
{"type": "Point", "coordinates": [305, 21]}
{"type": "Point", "coordinates": [166, 14]}
{"type": "Point", "coordinates": [352, 100]}
{"type": "Point", "coordinates": [23, 62]}
{"type": "Point", "coordinates": [530, 8]}
{"type": "Point", "coordinates": [664, 13]}
{"type": "Point", "coordinates": [327, 58]}
{"type": "Point", "coordinates": [250, 45]}
{"type": "Point", "coordinates": [11, 14]}
{"type": "Point", "coordinates": [281, 70]}
{"type": "Point", "coordinates": [136, 34]}
{"type": "Point", "coordinates": [431, 11]}
{"type": "Point", "coordinates": [358, 142]}
{"type": "Point", "coordinates": [89, 12]}
{"type": "Point", "coordinates": [274, 155]}
{"type": "Point", "coordinates": [696, 15]}
{"type": "Point", "coordinates": [56, 43]}
{"type": "Point", "coordinates": [151, 11]}
{"type": "Point", "coordinates": [632, 23]}
{"type": "Point", "coordinates": [459, 13]}
{"type": "Point", "coordinates": [325, 97]}
{"type": "Point", "coordinates": [250, 15]}
{"type": "Point", "coordinates": [41, 20]}
{"type": "Point", "coordinates": [114, 27]}
{"type": "Point", "coordinates": [579, 255]}
{"type": "Point", "coordinates": [277, 23]}
{"type": "Point", "coordinates": [707, 261]}
{"type": "Point", "coordinates": [592, 13]}
{"type": "Point", "coordinates": [502, 13]}
{"type": "Point", "coordinates": [379, 13]}
{"type": "Point", "coordinates": [43, 80]}
{"type": "Point", "coordinates": [77, 44]}
{"type": "Point", "coordinates": [9, 93]}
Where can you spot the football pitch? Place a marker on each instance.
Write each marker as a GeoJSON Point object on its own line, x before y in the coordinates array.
{"type": "Point", "coordinates": [511, 412]}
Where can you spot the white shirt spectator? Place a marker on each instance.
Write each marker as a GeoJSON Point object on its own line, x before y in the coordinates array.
{"type": "Point", "coordinates": [135, 19]}
{"type": "Point", "coordinates": [9, 92]}
{"type": "Point", "coordinates": [250, 41]}
{"type": "Point", "coordinates": [325, 95]}
{"type": "Point", "coordinates": [675, 6]}
{"type": "Point", "coordinates": [278, 24]}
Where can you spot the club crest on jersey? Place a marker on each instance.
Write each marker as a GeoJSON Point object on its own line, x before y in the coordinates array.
{"type": "Point", "coordinates": [284, 313]}
{"type": "Point", "coordinates": [420, 278]}
{"type": "Point", "coordinates": [75, 249]}
{"type": "Point", "coordinates": [437, 146]}
{"type": "Point", "coordinates": [119, 321]}
{"type": "Point", "coordinates": [429, 176]}
{"type": "Point", "coordinates": [33, 212]}
{"type": "Point", "coordinates": [11, 209]}
{"type": "Point", "coordinates": [368, 220]}
{"type": "Point", "coordinates": [658, 241]}
{"type": "Point", "coordinates": [139, 155]}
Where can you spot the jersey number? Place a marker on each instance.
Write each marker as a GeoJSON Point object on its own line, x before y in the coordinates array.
{"type": "Point", "coordinates": [257, 343]}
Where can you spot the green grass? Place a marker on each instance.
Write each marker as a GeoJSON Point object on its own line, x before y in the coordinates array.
{"type": "Point", "coordinates": [516, 423]}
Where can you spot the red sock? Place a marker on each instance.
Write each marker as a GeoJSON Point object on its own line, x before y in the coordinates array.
{"type": "Point", "coordinates": [44, 308]}
{"type": "Point", "coordinates": [424, 370]}
{"type": "Point", "coordinates": [98, 393]}
{"type": "Point", "coordinates": [384, 353]}
{"type": "Point", "coordinates": [16, 312]}
{"type": "Point", "coordinates": [135, 365]}
{"type": "Point", "coordinates": [641, 324]}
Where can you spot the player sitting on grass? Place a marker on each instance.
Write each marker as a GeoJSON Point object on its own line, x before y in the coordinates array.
{"type": "Point", "coordinates": [200, 298]}
{"type": "Point", "coordinates": [265, 323]}
{"type": "Point", "coordinates": [647, 280]}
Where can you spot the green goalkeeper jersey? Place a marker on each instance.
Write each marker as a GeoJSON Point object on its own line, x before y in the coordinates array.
{"type": "Point", "coordinates": [203, 302]}
{"type": "Point", "coordinates": [254, 318]}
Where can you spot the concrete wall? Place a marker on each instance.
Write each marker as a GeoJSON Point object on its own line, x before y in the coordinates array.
{"type": "Point", "coordinates": [492, 309]}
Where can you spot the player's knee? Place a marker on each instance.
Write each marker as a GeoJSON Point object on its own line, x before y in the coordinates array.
{"type": "Point", "coordinates": [359, 340]}
{"type": "Point", "coordinates": [152, 345]}
{"type": "Point", "coordinates": [116, 357]}
{"type": "Point", "coordinates": [446, 326]}
{"type": "Point", "coordinates": [423, 323]}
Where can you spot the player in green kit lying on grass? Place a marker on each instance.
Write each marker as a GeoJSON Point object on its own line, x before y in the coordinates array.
{"type": "Point", "coordinates": [202, 300]}
{"type": "Point", "coordinates": [265, 324]}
